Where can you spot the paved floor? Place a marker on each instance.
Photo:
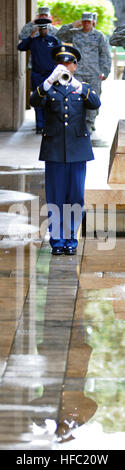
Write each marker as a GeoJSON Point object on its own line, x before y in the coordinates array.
{"type": "Point", "coordinates": [62, 320]}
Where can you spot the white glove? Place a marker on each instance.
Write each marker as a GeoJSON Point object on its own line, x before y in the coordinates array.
{"type": "Point", "coordinates": [76, 84]}
{"type": "Point", "coordinates": [54, 76]}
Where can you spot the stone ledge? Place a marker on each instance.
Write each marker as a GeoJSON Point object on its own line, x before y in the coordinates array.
{"type": "Point", "coordinates": [116, 172]}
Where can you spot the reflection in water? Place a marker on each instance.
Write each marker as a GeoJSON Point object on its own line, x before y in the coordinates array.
{"type": "Point", "coordinates": [22, 392]}
{"type": "Point", "coordinates": [42, 339]}
{"type": "Point", "coordinates": [105, 379]}
{"type": "Point", "coordinates": [49, 405]}
{"type": "Point", "coordinates": [42, 389]}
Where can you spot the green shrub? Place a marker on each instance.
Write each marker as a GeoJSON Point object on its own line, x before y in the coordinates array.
{"type": "Point", "coordinates": [64, 12]}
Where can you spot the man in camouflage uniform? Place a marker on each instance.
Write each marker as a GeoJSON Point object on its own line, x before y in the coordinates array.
{"type": "Point", "coordinates": [118, 39]}
{"type": "Point", "coordinates": [95, 61]}
{"type": "Point", "coordinates": [30, 27]}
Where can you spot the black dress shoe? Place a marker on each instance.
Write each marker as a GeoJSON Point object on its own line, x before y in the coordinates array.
{"type": "Point", "coordinates": [39, 130]}
{"type": "Point", "coordinates": [69, 250]}
{"type": "Point", "coordinates": [58, 251]}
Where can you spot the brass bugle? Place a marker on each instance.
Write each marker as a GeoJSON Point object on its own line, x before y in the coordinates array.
{"type": "Point", "coordinates": [64, 77]}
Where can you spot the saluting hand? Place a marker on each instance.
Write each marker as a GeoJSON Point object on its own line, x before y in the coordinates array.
{"type": "Point", "coordinates": [35, 30]}
{"type": "Point", "coordinates": [77, 24]}
{"type": "Point", "coordinates": [102, 77]}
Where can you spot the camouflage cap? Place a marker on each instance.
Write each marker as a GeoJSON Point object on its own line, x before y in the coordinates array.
{"type": "Point", "coordinates": [87, 16]}
{"type": "Point", "coordinates": [44, 11]}
{"type": "Point", "coordinates": [95, 16]}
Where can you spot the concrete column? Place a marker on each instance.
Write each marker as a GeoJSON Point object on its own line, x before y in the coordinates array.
{"type": "Point", "coordinates": [12, 63]}
{"type": "Point", "coordinates": [31, 8]}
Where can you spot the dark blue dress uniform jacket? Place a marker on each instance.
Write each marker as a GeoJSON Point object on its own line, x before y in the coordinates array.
{"type": "Point", "coordinates": [40, 48]}
{"type": "Point", "coordinates": [65, 136]}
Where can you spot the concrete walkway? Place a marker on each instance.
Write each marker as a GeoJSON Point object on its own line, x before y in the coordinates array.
{"type": "Point", "coordinates": [62, 320]}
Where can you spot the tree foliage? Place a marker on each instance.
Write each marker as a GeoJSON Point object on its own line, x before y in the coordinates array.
{"type": "Point", "coordinates": [67, 11]}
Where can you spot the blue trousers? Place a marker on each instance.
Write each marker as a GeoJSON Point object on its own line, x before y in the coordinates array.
{"type": "Point", "coordinates": [36, 80]}
{"type": "Point", "coordinates": [64, 185]}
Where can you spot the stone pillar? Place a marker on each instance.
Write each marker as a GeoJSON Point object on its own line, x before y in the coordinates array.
{"type": "Point", "coordinates": [31, 8]}
{"type": "Point", "coordinates": [12, 63]}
